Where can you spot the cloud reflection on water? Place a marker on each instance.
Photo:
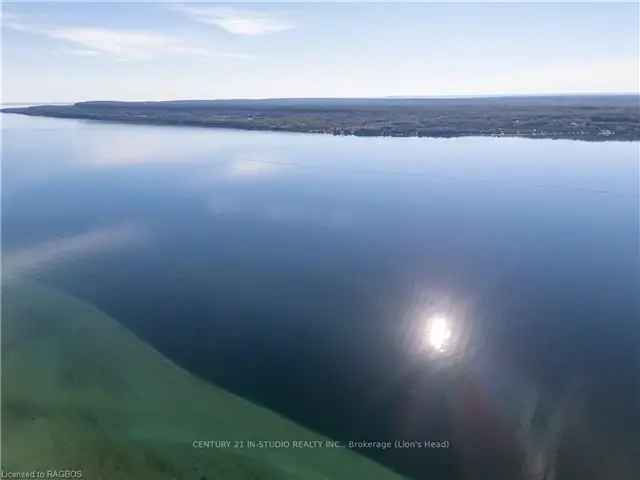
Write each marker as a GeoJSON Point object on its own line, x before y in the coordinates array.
{"type": "Point", "coordinates": [43, 255]}
{"type": "Point", "coordinates": [331, 218]}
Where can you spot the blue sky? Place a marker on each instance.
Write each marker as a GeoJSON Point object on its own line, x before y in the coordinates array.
{"type": "Point", "coordinates": [67, 51]}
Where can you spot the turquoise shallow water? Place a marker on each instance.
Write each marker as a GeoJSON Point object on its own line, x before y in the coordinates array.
{"type": "Point", "coordinates": [473, 290]}
{"type": "Point", "coordinates": [84, 398]}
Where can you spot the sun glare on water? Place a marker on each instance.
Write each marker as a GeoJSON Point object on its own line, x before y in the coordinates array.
{"type": "Point", "coordinates": [438, 333]}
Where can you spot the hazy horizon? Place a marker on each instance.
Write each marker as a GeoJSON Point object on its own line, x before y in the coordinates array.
{"type": "Point", "coordinates": [390, 97]}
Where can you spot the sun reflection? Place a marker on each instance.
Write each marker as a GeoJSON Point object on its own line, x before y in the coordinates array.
{"type": "Point", "coordinates": [438, 333]}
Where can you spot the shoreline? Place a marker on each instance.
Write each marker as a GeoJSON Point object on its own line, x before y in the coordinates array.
{"type": "Point", "coordinates": [592, 119]}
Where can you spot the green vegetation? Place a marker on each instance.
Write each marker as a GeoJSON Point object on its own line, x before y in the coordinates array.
{"type": "Point", "coordinates": [594, 118]}
{"type": "Point", "coordinates": [80, 392]}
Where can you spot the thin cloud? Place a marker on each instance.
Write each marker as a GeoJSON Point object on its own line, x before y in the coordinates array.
{"type": "Point", "coordinates": [126, 45]}
{"type": "Point", "coordinates": [82, 52]}
{"type": "Point", "coordinates": [235, 20]}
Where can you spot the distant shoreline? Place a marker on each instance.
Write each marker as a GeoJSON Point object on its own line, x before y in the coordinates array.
{"type": "Point", "coordinates": [575, 117]}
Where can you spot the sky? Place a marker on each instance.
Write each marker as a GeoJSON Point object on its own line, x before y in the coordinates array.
{"type": "Point", "coordinates": [71, 51]}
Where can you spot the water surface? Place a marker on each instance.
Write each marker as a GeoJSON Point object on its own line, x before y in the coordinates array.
{"type": "Point", "coordinates": [304, 272]}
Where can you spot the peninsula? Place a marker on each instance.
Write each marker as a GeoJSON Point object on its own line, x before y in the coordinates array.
{"type": "Point", "coordinates": [577, 117]}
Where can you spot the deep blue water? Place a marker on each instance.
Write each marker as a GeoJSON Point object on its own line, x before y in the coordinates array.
{"type": "Point", "coordinates": [305, 272]}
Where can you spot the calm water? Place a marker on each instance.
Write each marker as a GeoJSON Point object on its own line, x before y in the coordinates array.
{"type": "Point", "coordinates": [477, 290]}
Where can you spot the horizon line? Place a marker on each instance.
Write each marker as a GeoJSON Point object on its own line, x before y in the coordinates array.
{"type": "Point", "coordinates": [386, 97]}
